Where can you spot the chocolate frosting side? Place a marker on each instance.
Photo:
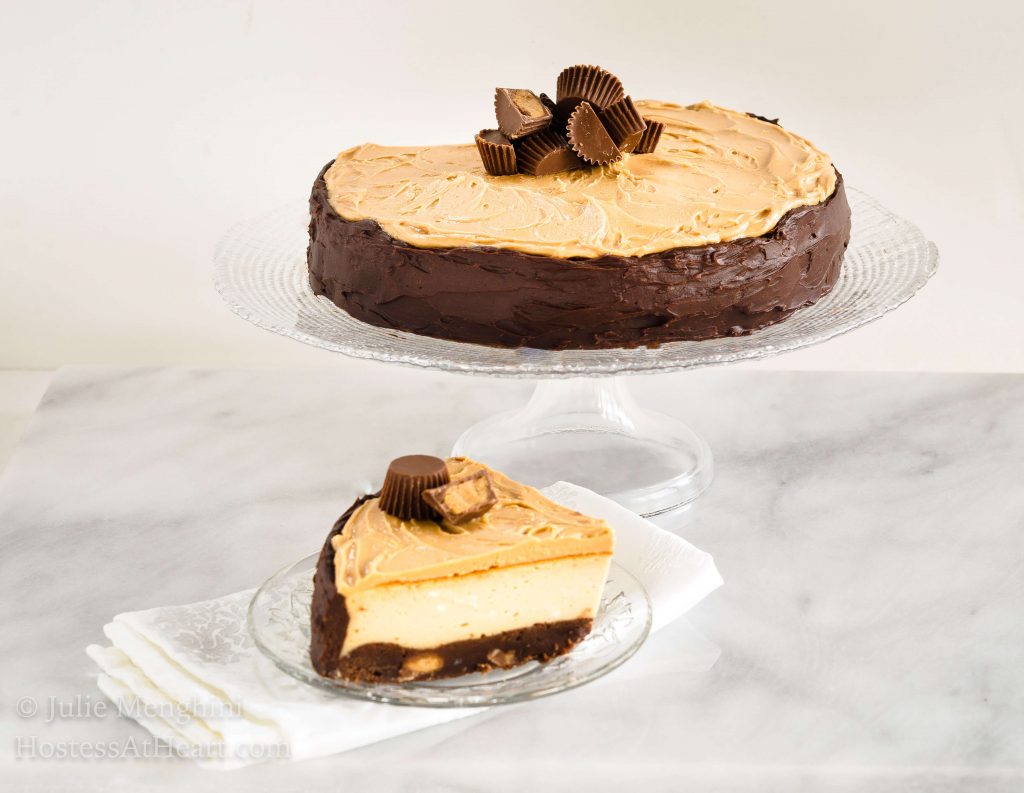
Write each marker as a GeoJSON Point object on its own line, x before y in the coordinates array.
{"type": "Point", "coordinates": [328, 615]}
{"type": "Point", "coordinates": [505, 298]}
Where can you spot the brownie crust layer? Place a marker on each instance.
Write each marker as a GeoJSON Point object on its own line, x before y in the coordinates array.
{"type": "Point", "coordinates": [392, 663]}
{"type": "Point", "coordinates": [505, 298]}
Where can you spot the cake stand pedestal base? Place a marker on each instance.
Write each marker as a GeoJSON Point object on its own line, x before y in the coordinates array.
{"type": "Point", "coordinates": [592, 431]}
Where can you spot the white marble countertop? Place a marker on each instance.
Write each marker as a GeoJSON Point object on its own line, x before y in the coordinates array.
{"type": "Point", "coordinates": [870, 529]}
{"type": "Point", "coordinates": [20, 392]}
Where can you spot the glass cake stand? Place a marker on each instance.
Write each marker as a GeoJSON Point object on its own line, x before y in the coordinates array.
{"type": "Point", "coordinates": [581, 424]}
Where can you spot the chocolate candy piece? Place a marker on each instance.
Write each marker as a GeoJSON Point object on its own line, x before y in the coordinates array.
{"type": "Point", "coordinates": [558, 116]}
{"type": "Point", "coordinates": [464, 499]}
{"type": "Point", "coordinates": [496, 152]}
{"type": "Point", "coordinates": [565, 108]}
{"type": "Point", "coordinates": [624, 124]}
{"type": "Point", "coordinates": [520, 112]}
{"type": "Point", "coordinates": [587, 84]}
{"type": "Point", "coordinates": [774, 121]}
{"type": "Point", "coordinates": [406, 479]}
{"type": "Point", "coordinates": [588, 137]}
{"type": "Point", "coordinates": [649, 140]}
{"type": "Point", "coordinates": [544, 153]}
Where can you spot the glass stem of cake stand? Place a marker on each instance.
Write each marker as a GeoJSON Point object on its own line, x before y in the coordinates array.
{"type": "Point", "coordinates": [592, 432]}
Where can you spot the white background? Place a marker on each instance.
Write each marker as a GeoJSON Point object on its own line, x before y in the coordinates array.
{"type": "Point", "coordinates": [134, 133]}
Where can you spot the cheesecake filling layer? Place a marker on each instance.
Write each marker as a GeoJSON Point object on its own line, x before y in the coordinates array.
{"type": "Point", "coordinates": [717, 175]}
{"type": "Point", "coordinates": [430, 614]}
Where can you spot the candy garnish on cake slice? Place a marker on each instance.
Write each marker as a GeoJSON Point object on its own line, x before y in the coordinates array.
{"type": "Point", "coordinates": [462, 499]}
{"type": "Point", "coordinates": [405, 482]}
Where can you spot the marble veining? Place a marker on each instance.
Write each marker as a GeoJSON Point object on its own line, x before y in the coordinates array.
{"type": "Point", "coordinates": [870, 529]}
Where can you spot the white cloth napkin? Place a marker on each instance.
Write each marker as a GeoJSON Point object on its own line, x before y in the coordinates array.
{"type": "Point", "coordinates": [192, 676]}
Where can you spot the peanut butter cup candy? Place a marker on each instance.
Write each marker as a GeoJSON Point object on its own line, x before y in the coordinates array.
{"type": "Point", "coordinates": [520, 112]}
{"type": "Point", "coordinates": [765, 119]}
{"type": "Point", "coordinates": [463, 499]}
{"type": "Point", "coordinates": [588, 137]}
{"type": "Point", "coordinates": [496, 152]}
{"type": "Point", "coordinates": [590, 122]}
{"type": "Point", "coordinates": [548, 102]}
{"type": "Point", "coordinates": [624, 124]}
{"type": "Point", "coordinates": [586, 84]}
{"type": "Point", "coordinates": [405, 482]}
{"type": "Point", "coordinates": [545, 153]}
{"type": "Point", "coordinates": [649, 140]}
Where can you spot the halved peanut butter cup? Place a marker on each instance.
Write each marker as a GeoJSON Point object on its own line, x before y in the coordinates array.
{"type": "Point", "coordinates": [588, 137]}
{"type": "Point", "coordinates": [520, 112]}
{"type": "Point", "coordinates": [462, 499]}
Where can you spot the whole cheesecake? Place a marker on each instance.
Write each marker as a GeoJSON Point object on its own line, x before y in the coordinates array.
{"type": "Point", "coordinates": [730, 225]}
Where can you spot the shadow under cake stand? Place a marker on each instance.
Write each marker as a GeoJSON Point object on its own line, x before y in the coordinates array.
{"type": "Point", "coordinates": [581, 424]}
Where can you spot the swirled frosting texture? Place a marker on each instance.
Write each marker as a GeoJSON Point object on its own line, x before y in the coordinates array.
{"type": "Point", "coordinates": [376, 549]}
{"type": "Point", "coordinates": [717, 175]}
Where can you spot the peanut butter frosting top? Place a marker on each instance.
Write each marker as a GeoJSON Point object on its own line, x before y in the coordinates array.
{"type": "Point", "coordinates": [375, 548]}
{"type": "Point", "coordinates": [717, 175]}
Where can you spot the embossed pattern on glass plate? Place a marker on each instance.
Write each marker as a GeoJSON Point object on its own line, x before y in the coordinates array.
{"type": "Point", "coordinates": [260, 271]}
{"type": "Point", "coordinates": [279, 623]}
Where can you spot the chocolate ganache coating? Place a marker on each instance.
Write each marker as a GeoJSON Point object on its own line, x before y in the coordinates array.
{"type": "Point", "coordinates": [507, 298]}
{"type": "Point", "coordinates": [328, 612]}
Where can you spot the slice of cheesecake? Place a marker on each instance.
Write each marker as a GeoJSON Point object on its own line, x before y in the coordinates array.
{"type": "Point", "coordinates": [488, 573]}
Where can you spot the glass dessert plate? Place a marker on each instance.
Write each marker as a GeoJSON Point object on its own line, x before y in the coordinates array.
{"type": "Point", "coordinates": [278, 621]}
{"type": "Point", "coordinates": [587, 430]}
